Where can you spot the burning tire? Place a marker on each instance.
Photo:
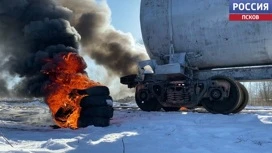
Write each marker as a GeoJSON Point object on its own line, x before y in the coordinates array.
{"type": "Point", "coordinates": [100, 122]}
{"type": "Point", "coordinates": [104, 111]}
{"type": "Point", "coordinates": [90, 101]}
{"type": "Point", "coordinates": [96, 109]}
{"type": "Point", "coordinates": [95, 121]}
{"type": "Point", "coordinates": [98, 91]}
{"type": "Point", "coordinates": [63, 113]}
{"type": "Point", "coordinates": [97, 116]}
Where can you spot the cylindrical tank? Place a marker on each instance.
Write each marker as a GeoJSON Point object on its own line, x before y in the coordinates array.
{"type": "Point", "coordinates": [202, 27]}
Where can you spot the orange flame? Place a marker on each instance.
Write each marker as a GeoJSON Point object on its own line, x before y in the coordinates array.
{"type": "Point", "coordinates": [66, 74]}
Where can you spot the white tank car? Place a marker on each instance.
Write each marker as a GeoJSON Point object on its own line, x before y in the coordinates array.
{"type": "Point", "coordinates": [203, 27]}
{"type": "Point", "coordinates": [198, 56]}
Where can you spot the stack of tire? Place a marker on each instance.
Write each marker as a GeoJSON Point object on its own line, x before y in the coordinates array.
{"type": "Point", "coordinates": [96, 108]}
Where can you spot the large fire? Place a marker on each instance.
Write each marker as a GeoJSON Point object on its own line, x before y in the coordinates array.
{"type": "Point", "coordinates": [67, 75]}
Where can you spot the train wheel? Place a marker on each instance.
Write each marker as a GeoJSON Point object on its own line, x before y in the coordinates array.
{"type": "Point", "coordinates": [145, 102]}
{"type": "Point", "coordinates": [226, 105]}
{"type": "Point", "coordinates": [245, 99]}
{"type": "Point", "coordinates": [171, 109]}
{"type": "Point", "coordinates": [149, 105]}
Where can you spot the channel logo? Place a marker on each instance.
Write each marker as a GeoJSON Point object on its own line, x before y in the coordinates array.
{"type": "Point", "coordinates": [250, 10]}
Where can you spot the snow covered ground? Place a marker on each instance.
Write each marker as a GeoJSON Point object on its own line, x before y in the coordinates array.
{"type": "Point", "coordinates": [25, 127]}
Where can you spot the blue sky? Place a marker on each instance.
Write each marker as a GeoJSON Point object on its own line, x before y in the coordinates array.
{"type": "Point", "coordinates": [126, 16]}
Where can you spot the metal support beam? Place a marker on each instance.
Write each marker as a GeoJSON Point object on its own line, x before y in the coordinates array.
{"type": "Point", "coordinates": [241, 73]}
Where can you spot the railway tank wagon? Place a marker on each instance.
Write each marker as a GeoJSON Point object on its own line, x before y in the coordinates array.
{"type": "Point", "coordinates": [198, 56]}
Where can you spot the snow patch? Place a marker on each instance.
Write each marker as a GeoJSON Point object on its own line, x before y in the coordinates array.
{"type": "Point", "coordinates": [113, 137]}
{"type": "Point", "coordinates": [136, 131]}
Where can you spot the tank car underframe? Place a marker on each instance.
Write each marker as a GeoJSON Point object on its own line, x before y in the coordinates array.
{"type": "Point", "coordinates": [218, 94]}
{"type": "Point", "coordinates": [217, 90]}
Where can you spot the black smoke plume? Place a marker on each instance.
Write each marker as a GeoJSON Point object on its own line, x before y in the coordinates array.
{"type": "Point", "coordinates": [32, 31]}
{"type": "Point", "coordinates": [109, 47]}
{"type": "Point", "coordinates": [3, 88]}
